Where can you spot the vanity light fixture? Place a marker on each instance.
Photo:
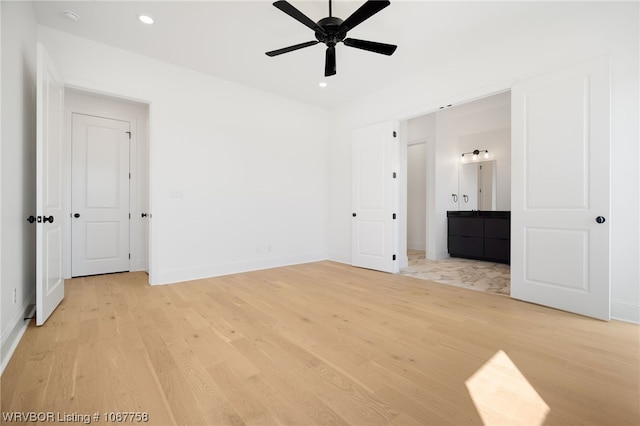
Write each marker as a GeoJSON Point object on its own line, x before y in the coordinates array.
{"type": "Point", "coordinates": [475, 154]}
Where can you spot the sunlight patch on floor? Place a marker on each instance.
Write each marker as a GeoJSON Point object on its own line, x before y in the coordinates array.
{"type": "Point", "coordinates": [503, 396]}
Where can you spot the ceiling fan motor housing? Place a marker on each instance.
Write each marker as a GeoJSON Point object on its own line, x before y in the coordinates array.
{"type": "Point", "coordinates": [332, 35]}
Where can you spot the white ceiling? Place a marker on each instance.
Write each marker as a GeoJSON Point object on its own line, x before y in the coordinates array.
{"type": "Point", "coordinates": [228, 39]}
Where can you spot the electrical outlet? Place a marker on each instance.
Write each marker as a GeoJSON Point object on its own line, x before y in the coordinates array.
{"type": "Point", "coordinates": [15, 295]}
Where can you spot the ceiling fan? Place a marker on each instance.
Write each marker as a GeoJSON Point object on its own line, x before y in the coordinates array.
{"type": "Point", "coordinates": [333, 30]}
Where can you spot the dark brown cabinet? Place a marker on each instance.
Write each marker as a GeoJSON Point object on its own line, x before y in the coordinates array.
{"type": "Point", "coordinates": [483, 235]}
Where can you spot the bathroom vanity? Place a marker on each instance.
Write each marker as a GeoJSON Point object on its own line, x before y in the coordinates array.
{"type": "Point", "coordinates": [482, 235]}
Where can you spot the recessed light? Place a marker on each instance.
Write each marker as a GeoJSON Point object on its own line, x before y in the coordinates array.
{"type": "Point", "coordinates": [322, 84]}
{"type": "Point", "coordinates": [71, 15]}
{"type": "Point", "coordinates": [146, 19]}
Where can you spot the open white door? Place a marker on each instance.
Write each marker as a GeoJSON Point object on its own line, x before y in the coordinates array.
{"type": "Point", "coordinates": [49, 186]}
{"type": "Point", "coordinates": [375, 198]}
{"type": "Point", "coordinates": [560, 245]}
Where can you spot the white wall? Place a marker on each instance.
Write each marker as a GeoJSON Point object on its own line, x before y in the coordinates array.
{"type": "Point", "coordinates": [575, 32]}
{"type": "Point", "coordinates": [416, 196]}
{"type": "Point", "coordinates": [445, 164]}
{"type": "Point", "coordinates": [238, 177]}
{"type": "Point", "coordinates": [486, 124]}
{"type": "Point", "coordinates": [17, 194]}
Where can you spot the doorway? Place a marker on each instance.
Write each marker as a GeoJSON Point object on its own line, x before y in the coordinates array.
{"type": "Point", "coordinates": [107, 229]}
{"type": "Point", "coordinates": [435, 143]}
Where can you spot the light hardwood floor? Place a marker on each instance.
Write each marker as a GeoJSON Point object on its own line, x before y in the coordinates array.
{"type": "Point", "coordinates": [321, 343]}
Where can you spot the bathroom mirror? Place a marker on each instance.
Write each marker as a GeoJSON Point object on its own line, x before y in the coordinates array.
{"type": "Point", "coordinates": [477, 186]}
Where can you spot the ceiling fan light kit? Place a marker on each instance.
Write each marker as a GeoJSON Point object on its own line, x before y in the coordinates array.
{"type": "Point", "coordinates": [333, 30]}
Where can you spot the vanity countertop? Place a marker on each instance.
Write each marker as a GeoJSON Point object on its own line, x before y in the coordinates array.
{"type": "Point", "coordinates": [479, 213]}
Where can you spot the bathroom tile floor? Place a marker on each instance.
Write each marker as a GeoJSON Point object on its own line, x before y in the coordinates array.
{"type": "Point", "coordinates": [472, 274]}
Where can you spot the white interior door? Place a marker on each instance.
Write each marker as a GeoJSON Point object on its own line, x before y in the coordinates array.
{"type": "Point", "coordinates": [49, 187]}
{"type": "Point", "coordinates": [375, 198]}
{"type": "Point", "coordinates": [560, 189]}
{"type": "Point", "coordinates": [99, 195]}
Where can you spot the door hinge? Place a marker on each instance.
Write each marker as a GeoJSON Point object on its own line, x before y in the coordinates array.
{"type": "Point", "coordinates": [129, 256]}
{"type": "Point", "coordinates": [395, 134]}
{"type": "Point", "coordinates": [129, 215]}
{"type": "Point", "coordinates": [129, 175]}
{"type": "Point", "coordinates": [394, 257]}
{"type": "Point", "coordinates": [129, 133]}
{"type": "Point", "coordinates": [394, 175]}
{"type": "Point", "coordinates": [394, 216]}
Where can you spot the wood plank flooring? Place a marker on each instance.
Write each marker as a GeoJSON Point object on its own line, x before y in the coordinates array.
{"type": "Point", "coordinates": [321, 344]}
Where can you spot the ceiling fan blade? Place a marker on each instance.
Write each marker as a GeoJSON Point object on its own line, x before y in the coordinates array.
{"type": "Point", "coordinates": [287, 8]}
{"type": "Point", "coordinates": [292, 48]}
{"type": "Point", "coordinates": [330, 62]}
{"type": "Point", "coordinates": [366, 11]}
{"type": "Point", "coordinates": [371, 46]}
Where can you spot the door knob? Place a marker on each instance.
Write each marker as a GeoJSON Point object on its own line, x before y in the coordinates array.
{"type": "Point", "coordinates": [76, 215]}
{"type": "Point", "coordinates": [143, 214]}
{"type": "Point", "coordinates": [31, 219]}
{"type": "Point", "coordinates": [353, 214]}
{"type": "Point", "coordinates": [600, 219]}
{"type": "Point", "coordinates": [47, 219]}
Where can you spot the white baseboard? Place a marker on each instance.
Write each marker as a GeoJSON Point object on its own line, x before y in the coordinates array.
{"type": "Point", "coordinates": [195, 273]}
{"type": "Point", "coordinates": [417, 246]}
{"type": "Point", "coordinates": [625, 311]}
{"type": "Point", "coordinates": [139, 265]}
{"type": "Point", "coordinates": [435, 255]}
{"type": "Point", "coordinates": [11, 337]}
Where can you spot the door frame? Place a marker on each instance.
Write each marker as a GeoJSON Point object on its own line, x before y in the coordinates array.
{"type": "Point", "coordinates": [88, 102]}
